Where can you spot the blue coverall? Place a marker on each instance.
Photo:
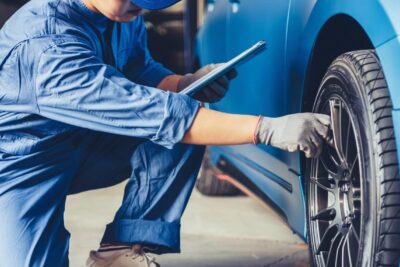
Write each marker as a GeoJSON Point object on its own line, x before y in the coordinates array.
{"type": "Point", "coordinates": [79, 111]}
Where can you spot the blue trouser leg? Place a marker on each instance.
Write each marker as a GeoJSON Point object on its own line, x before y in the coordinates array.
{"type": "Point", "coordinates": [105, 162]}
{"type": "Point", "coordinates": [161, 181]}
{"type": "Point", "coordinates": [34, 187]}
{"type": "Point", "coordinates": [156, 196]}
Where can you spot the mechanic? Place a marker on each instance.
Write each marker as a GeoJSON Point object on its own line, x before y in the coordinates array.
{"type": "Point", "coordinates": [84, 106]}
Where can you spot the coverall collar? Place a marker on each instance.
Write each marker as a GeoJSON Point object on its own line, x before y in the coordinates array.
{"type": "Point", "coordinates": [98, 19]}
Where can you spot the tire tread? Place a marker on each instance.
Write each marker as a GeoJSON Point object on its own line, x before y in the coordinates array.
{"type": "Point", "coordinates": [369, 70]}
{"type": "Point", "coordinates": [368, 65]}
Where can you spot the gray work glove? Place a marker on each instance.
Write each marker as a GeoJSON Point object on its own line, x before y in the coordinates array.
{"type": "Point", "coordinates": [304, 131]}
{"type": "Point", "coordinates": [214, 91]}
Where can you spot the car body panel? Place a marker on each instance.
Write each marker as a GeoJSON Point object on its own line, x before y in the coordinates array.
{"type": "Point", "coordinates": [280, 184]}
{"type": "Point", "coordinates": [273, 83]}
{"type": "Point", "coordinates": [244, 90]}
{"type": "Point", "coordinates": [217, 33]}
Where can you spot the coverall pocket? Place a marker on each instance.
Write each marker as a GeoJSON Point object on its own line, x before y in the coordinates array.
{"type": "Point", "coordinates": [10, 81]}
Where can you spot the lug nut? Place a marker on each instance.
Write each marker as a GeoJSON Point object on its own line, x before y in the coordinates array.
{"type": "Point", "coordinates": [348, 220]}
{"type": "Point", "coordinates": [345, 188]}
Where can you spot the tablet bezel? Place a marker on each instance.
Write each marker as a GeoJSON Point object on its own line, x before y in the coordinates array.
{"type": "Point", "coordinates": [224, 68]}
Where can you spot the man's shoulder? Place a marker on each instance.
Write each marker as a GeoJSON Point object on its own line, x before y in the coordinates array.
{"type": "Point", "coordinates": [34, 19]}
{"type": "Point", "coordinates": [39, 19]}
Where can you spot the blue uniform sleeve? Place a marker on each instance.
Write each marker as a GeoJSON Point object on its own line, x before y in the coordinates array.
{"type": "Point", "coordinates": [141, 67]}
{"type": "Point", "coordinates": [75, 87]}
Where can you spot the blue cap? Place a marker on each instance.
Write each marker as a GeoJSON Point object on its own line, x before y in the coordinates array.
{"type": "Point", "coordinates": [154, 4]}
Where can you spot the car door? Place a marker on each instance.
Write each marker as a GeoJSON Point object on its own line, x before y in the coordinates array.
{"type": "Point", "coordinates": [211, 38]}
{"type": "Point", "coordinates": [261, 88]}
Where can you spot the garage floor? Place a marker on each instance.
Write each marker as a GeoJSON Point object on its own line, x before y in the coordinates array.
{"type": "Point", "coordinates": [216, 232]}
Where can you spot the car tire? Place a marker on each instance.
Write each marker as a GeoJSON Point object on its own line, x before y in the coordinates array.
{"type": "Point", "coordinates": [210, 185]}
{"type": "Point", "coordinates": [353, 188]}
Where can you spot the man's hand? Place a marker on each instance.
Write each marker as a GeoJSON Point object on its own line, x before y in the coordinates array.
{"type": "Point", "coordinates": [214, 91]}
{"type": "Point", "coordinates": [304, 131]}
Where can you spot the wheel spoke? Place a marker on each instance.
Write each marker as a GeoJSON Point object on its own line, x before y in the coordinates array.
{"type": "Point", "coordinates": [336, 117]}
{"type": "Point", "coordinates": [331, 261]}
{"type": "Point", "coordinates": [348, 253]}
{"type": "Point", "coordinates": [344, 251]}
{"type": "Point", "coordinates": [339, 251]}
{"type": "Point", "coordinates": [315, 180]}
{"type": "Point", "coordinates": [332, 158]}
{"type": "Point", "coordinates": [353, 164]}
{"type": "Point", "coordinates": [354, 234]}
{"type": "Point", "coordinates": [327, 238]}
{"type": "Point", "coordinates": [352, 250]}
{"type": "Point", "coordinates": [325, 215]}
{"type": "Point", "coordinates": [347, 137]}
{"type": "Point", "coordinates": [326, 167]}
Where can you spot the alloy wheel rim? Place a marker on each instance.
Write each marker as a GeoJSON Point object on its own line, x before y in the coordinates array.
{"type": "Point", "coordinates": [335, 192]}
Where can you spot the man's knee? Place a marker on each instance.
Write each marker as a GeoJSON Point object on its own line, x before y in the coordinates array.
{"type": "Point", "coordinates": [157, 161]}
{"type": "Point", "coordinates": [105, 163]}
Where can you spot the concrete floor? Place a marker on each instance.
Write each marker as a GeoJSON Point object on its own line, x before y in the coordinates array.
{"type": "Point", "coordinates": [216, 232]}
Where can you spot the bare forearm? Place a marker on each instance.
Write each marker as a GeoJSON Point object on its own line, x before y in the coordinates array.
{"type": "Point", "coordinates": [217, 128]}
{"type": "Point", "coordinates": [212, 127]}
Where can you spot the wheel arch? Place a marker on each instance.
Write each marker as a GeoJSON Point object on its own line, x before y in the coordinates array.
{"type": "Point", "coordinates": [341, 19]}
{"type": "Point", "coordinates": [374, 24]}
{"type": "Point", "coordinates": [340, 34]}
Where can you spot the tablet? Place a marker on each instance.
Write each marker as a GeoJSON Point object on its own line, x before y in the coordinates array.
{"type": "Point", "coordinates": [225, 68]}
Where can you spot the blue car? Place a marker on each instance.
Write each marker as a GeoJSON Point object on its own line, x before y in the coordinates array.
{"type": "Point", "coordinates": [337, 57]}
